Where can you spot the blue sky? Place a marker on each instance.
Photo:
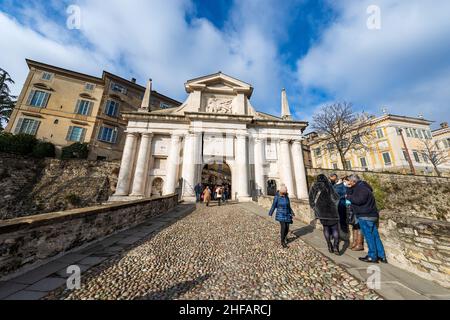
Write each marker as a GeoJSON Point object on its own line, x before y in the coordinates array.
{"type": "Point", "coordinates": [320, 51]}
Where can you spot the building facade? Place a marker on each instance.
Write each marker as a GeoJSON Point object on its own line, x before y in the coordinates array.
{"type": "Point", "coordinates": [64, 107]}
{"type": "Point", "coordinates": [217, 128]}
{"type": "Point", "coordinates": [395, 144]}
{"type": "Point", "coordinates": [441, 138]}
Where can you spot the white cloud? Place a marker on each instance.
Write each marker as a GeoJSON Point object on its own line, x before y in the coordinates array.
{"type": "Point", "coordinates": [405, 65]}
{"type": "Point", "coordinates": [154, 39]}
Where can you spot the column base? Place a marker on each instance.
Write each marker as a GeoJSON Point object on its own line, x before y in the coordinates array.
{"type": "Point", "coordinates": [190, 199]}
{"type": "Point", "coordinates": [125, 198]}
{"type": "Point", "coordinates": [245, 199]}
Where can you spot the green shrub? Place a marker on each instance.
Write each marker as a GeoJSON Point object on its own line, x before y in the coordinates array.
{"type": "Point", "coordinates": [75, 151]}
{"type": "Point", "coordinates": [22, 144]}
{"type": "Point", "coordinates": [44, 150]}
{"type": "Point", "coordinates": [73, 199]}
{"type": "Point", "coordinates": [378, 190]}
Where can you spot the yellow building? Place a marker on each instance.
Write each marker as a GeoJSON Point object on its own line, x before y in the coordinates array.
{"type": "Point", "coordinates": [64, 107]}
{"type": "Point", "coordinates": [395, 144]}
{"type": "Point", "coordinates": [441, 138]}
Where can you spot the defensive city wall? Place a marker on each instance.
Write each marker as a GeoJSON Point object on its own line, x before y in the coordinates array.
{"type": "Point", "coordinates": [54, 206]}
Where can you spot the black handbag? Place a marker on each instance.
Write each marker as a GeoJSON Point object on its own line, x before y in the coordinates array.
{"type": "Point", "coordinates": [351, 217]}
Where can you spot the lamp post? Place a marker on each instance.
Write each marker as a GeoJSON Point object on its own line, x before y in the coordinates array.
{"type": "Point", "coordinates": [408, 157]}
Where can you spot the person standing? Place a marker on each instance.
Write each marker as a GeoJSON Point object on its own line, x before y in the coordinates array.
{"type": "Point", "coordinates": [284, 215]}
{"type": "Point", "coordinates": [219, 193]}
{"type": "Point", "coordinates": [358, 237]}
{"type": "Point", "coordinates": [324, 202]}
{"type": "Point", "coordinates": [198, 192]}
{"type": "Point", "coordinates": [207, 196]}
{"type": "Point", "coordinates": [363, 203]}
{"type": "Point", "coordinates": [341, 190]}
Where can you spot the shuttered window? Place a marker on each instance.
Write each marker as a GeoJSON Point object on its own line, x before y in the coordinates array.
{"type": "Point", "coordinates": [107, 134]}
{"type": "Point", "coordinates": [112, 108]}
{"type": "Point", "coordinates": [387, 158]}
{"type": "Point", "coordinates": [84, 107]}
{"type": "Point", "coordinates": [27, 126]}
{"type": "Point", "coordinates": [38, 98]}
{"type": "Point", "coordinates": [76, 134]}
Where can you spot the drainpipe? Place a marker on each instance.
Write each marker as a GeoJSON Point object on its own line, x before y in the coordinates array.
{"type": "Point", "coordinates": [411, 165]}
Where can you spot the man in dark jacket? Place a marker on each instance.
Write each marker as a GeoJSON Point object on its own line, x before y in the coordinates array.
{"type": "Point", "coordinates": [363, 203]}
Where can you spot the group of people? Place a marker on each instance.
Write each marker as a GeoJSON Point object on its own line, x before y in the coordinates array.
{"type": "Point", "coordinates": [206, 194]}
{"type": "Point", "coordinates": [338, 203]}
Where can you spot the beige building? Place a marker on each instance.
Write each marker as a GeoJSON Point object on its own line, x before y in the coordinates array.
{"type": "Point", "coordinates": [64, 107]}
{"type": "Point", "coordinates": [395, 144]}
{"type": "Point", "coordinates": [441, 138]}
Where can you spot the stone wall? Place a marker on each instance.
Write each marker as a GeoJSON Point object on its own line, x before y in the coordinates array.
{"type": "Point", "coordinates": [26, 241]}
{"type": "Point", "coordinates": [417, 196]}
{"type": "Point", "coordinates": [301, 208]}
{"type": "Point", "coordinates": [421, 246]}
{"type": "Point", "coordinates": [31, 186]}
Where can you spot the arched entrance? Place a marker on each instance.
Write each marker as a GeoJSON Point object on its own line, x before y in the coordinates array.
{"type": "Point", "coordinates": [217, 174]}
{"type": "Point", "coordinates": [157, 187]}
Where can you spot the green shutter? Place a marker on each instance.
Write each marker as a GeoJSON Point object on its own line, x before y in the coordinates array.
{"type": "Point", "coordinates": [114, 137]}
{"type": "Point", "coordinates": [91, 104]}
{"type": "Point", "coordinates": [30, 97]}
{"type": "Point", "coordinates": [69, 133]}
{"type": "Point", "coordinates": [35, 127]}
{"type": "Point", "coordinates": [47, 97]}
{"type": "Point", "coordinates": [18, 126]}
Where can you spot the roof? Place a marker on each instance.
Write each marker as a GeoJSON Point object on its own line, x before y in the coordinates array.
{"type": "Point", "coordinates": [403, 118]}
{"type": "Point", "coordinates": [90, 78]}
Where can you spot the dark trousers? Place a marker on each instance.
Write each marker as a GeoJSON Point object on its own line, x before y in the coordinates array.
{"type": "Point", "coordinates": [284, 231]}
{"type": "Point", "coordinates": [331, 232]}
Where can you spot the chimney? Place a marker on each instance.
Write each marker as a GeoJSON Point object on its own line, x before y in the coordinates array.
{"type": "Point", "coordinates": [133, 80]}
{"type": "Point", "coordinates": [444, 125]}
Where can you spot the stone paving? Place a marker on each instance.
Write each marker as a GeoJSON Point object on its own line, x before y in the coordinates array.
{"type": "Point", "coordinates": [223, 252]}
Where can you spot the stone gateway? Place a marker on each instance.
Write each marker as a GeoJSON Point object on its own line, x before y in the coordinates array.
{"type": "Point", "coordinates": [218, 127]}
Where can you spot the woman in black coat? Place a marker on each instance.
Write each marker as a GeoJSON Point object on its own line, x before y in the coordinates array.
{"type": "Point", "coordinates": [324, 201]}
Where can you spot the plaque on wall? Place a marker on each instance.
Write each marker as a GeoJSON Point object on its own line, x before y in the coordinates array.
{"type": "Point", "coordinates": [271, 150]}
{"type": "Point", "coordinates": [218, 146]}
{"type": "Point", "coordinates": [161, 146]}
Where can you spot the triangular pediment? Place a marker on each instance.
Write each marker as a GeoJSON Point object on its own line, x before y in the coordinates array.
{"type": "Point", "coordinates": [218, 81]}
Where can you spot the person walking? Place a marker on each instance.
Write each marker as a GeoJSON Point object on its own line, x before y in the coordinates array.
{"type": "Point", "coordinates": [284, 215]}
{"type": "Point", "coordinates": [362, 201]}
{"type": "Point", "coordinates": [324, 202]}
{"type": "Point", "coordinates": [198, 192]}
{"type": "Point", "coordinates": [219, 193]}
{"type": "Point", "coordinates": [207, 196]}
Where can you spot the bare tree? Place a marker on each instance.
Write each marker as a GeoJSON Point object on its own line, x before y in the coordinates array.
{"type": "Point", "coordinates": [434, 154]}
{"type": "Point", "coordinates": [342, 129]}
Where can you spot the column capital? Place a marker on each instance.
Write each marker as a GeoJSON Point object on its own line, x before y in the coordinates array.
{"type": "Point", "coordinates": [242, 135]}
{"type": "Point", "coordinates": [132, 134]}
{"type": "Point", "coordinates": [297, 141]}
{"type": "Point", "coordinates": [147, 134]}
{"type": "Point", "coordinates": [285, 141]}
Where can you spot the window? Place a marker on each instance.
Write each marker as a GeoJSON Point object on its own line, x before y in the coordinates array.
{"type": "Point", "coordinates": [317, 152]}
{"type": "Point", "coordinates": [47, 76]}
{"type": "Point", "coordinates": [408, 132]}
{"type": "Point", "coordinates": [349, 164]}
{"type": "Point", "coordinates": [89, 87]}
{"type": "Point", "coordinates": [118, 88]}
{"type": "Point", "coordinates": [416, 156]}
{"type": "Point", "coordinates": [112, 108]}
{"type": "Point", "coordinates": [425, 158]}
{"type": "Point", "coordinates": [108, 134]}
{"type": "Point", "coordinates": [420, 133]}
{"type": "Point", "coordinates": [446, 143]}
{"type": "Point", "coordinates": [38, 98]}
{"type": "Point", "coordinates": [164, 105]}
{"type": "Point", "coordinates": [363, 162]}
{"type": "Point", "coordinates": [357, 138]}
{"type": "Point", "coordinates": [84, 107]}
{"type": "Point", "coordinates": [405, 155]}
{"type": "Point", "coordinates": [27, 126]}
{"type": "Point", "coordinates": [387, 158]}
{"type": "Point", "coordinates": [160, 164]}
{"type": "Point", "coordinates": [380, 133]}
{"type": "Point", "coordinates": [335, 166]}
{"type": "Point", "coordinates": [330, 147]}
{"type": "Point", "coordinates": [416, 134]}
{"type": "Point", "coordinates": [76, 134]}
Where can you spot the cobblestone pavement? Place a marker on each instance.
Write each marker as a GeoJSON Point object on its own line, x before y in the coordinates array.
{"type": "Point", "coordinates": [218, 253]}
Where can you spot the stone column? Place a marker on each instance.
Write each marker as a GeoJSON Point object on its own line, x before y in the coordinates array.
{"type": "Point", "coordinates": [287, 176]}
{"type": "Point", "coordinates": [259, 166]}
{"type": "Point", "coordinates": [190, 159]}
{"type": "Point", "coordinates": [173, 162]}
{"type": "Point", "coordinates": [126, 167]}
{"type": "Point", "coordinates": [141, 172]}
{"type": "Point", "coordinates": [242, 167]}
{"type": "Point", "coordinates": [299, 170]}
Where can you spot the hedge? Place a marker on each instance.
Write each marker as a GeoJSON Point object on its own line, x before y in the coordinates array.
{"type": "Point", "coordinates": [75, 151]}
{"type": "Point", "coordinates": [26, 145]}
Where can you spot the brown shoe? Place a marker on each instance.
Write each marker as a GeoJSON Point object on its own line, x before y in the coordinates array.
{"type": "Point", "coordinates": [359, 242]}
{"type": "Point", "coordinates": [355, 237]}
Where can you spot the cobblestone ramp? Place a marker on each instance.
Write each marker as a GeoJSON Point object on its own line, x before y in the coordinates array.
{"type": "Point", "coordinates": [219, 253]}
